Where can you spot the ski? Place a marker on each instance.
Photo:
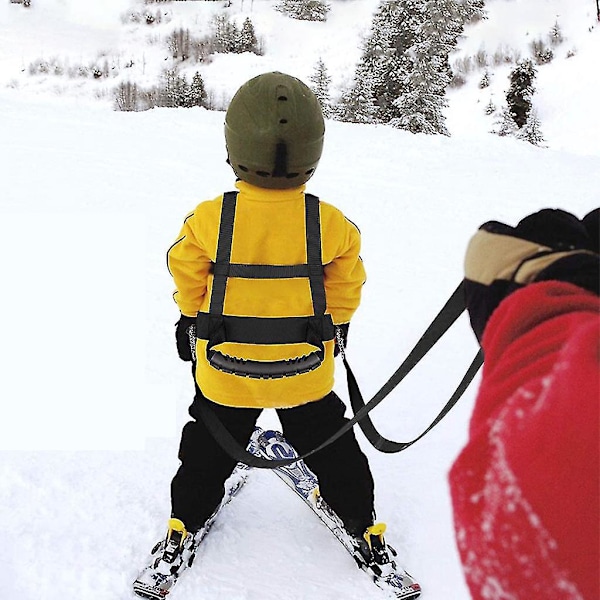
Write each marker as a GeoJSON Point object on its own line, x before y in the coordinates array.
{"type": "Point", "coordinates": [156, 580]}
{"type": "Point", "coordinates": [389, 577]}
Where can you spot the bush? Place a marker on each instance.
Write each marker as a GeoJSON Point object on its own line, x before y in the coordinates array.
{"type": "Point", "coordinates": [490, 108]}
{"type": "Point", "coordinates": [173, 91]}
{"type": "Point", "coordinates": [485, 80]}
{"type": "Point", "coordinates": [304, 10]}
{"type": "Point", "coordinates": [225, 37]}
{"type": "Point", "coordinates": [541, 52]}
{"type": "Point", "coordinates": [556, 36]}
{"type": "Point", "coordinates": [457, 80]}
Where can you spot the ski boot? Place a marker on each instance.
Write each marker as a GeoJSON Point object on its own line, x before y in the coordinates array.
{"type": "Point", "coordinates": [373, 552]}
{"type": "Point", "coordinates": [171, 556]}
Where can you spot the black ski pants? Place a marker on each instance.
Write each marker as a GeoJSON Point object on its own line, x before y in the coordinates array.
{"type": "Point", "coordinates": [345, 480]}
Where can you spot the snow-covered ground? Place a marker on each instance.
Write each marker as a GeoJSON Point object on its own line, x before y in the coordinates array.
{"type": "Point", "coordinates": [93, 394]}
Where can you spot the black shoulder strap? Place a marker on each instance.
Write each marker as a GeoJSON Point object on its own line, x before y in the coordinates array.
{"type": "Point", "coordinates": [223, 258]}
{"type": "Point", "coordinates": [313, 269]}
{"type": "Point", "coordinates": [313, 254]}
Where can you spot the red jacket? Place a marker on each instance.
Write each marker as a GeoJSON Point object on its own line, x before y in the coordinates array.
{"type": "Point", "coordinates": [526, 487]}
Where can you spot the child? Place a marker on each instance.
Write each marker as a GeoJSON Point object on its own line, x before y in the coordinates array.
{"type": "Point", "coordinates": [267, 275]}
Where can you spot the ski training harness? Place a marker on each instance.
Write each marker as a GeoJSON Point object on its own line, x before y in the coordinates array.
{"type": "Point", "coordinates": [217, 328]}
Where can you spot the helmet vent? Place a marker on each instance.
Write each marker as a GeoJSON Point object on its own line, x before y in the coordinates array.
{"type": "Point", "coordinates": [282, 98]}
{"type": "Point", "coordinates": [243, 168]}
{"type": "Point", "coordinates": [263, 174]}
{"type": "Point", "coordinates": [283, 121]}
{"type": "Point", "coordinates": [291, 175]}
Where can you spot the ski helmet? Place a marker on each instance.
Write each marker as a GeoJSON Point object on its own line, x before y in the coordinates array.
{"type": "Point", "coordinates": [274, 131]}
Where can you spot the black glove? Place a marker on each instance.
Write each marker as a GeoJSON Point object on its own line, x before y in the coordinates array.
{"type": "Point", "coordinates": [547, 245]}
{"type": "Point", "coordinates": [343, 333]}
{"type": "Point", "coordinates": [182, 337]}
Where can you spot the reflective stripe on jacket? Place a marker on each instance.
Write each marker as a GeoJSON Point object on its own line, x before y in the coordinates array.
{"type": "Point", "coordinates": [269, 229]}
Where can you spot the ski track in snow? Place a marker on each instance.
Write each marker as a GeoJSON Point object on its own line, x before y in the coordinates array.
{"type": "Point", "coordinates": [94, 396]}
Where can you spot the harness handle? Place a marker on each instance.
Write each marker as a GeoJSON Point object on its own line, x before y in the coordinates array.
{"type": "Point", "coordinates": [274, 369]}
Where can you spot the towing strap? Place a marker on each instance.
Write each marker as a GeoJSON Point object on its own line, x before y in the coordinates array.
{"type": "Point", "coordinates": [453, 308]}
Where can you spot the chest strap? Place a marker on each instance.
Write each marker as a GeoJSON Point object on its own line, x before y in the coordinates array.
{"type": "Point", "coordinates": [218, 328]}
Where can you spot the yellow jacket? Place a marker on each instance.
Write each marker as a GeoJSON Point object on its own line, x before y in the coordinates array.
{"type": "Point", "coordinates": [269, 228]}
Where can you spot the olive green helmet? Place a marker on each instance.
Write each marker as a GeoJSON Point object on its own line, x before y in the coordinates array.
{"type": "Point", "coordinates": [274, 131]}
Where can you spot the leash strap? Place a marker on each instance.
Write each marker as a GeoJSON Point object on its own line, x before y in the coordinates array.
{"type": "Point", "coordinates": [442, 322]}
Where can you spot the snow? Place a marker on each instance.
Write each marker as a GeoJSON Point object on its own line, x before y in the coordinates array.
{"type": "Point", "coordinates": [93, 393]}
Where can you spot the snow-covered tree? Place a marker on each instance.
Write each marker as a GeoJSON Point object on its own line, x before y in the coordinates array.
{"type": "Point", "coordinates": [541, 52]}
{"type": "Point", "coordinates": [126, 96]}
{"type": "Point", "coordinates": [518, 96]}
{"type": "Point", "coordinates": [505, 124]}
{"type": "Point", "coordinates": [404, 68]}
{"type": "Point", "coordinates": [179, 43]}
{"type": "Point", "coordinates": [247, 41]}
{"type": "Point", "coordinates": [357, 104]}
{"type": "Point", "coordinates": [196, 93]}
{"type": "Point", "coordinates": [321, 81]}
{"type": "Point", "coordinates": [532, 132]}
{"type": "Point", "coordinates": [490, 108]}
{"type": "Point", "coordinates": [225, 34]}
{"type": "Point", "coordinates": [174, 91]}
{"type": "Point", "coordinates": [420, 106]}
{"type": "Point", "coordinates": [556, 36]}
{"type": "Point", "coordinates": [385, 61]}
{"type": "Point", "coordinates": [485, 80]}
{"type": "Point", "coordinates": [304, 10]}
{"type": "Point", "coordinates": [471, 10]}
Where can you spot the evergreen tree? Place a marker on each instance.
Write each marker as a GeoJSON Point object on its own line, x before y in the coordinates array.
{"type": "Point", "coordinates": [196, 92]}
{"type": "Point", "coordinates": [490, 108]}
{"type": "Point", "coordinates": [385, 61]}
{"type": "Point", "coordinates": [531, 132]}
{"type": "Point", "coordinates": [226, 34]}
{"type": "Point", "coordinates": [471, 10]}
{"type": "Point", "coordinates": [247, 38]}
{"type": "Point", "coordinates": [321, 81]}
{"type": "Point", "coordinates": [175, 90]}
{"type": "Point", "coordinates": [357, 104]}
{"type": "Point", "coordinates": [518, 96]}
{"type": "Point", "coordinates": [404, 67]}
{"type": "Point", "coordinates": [505, 125]}
{"type": "Point", "coordinates": [556, 36]}
{"type": "Point", "coordinates": [304, 10]}
{"type": "Point", "coordinates": [485, 80]}
{"type": "Point", "coordinates": [422, 101]}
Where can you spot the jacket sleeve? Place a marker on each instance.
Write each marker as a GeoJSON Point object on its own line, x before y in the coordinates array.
{"type": "Point", "coordinates": [345, 274]}
{"type": "Point", "coordinates": [189, 264]}
{"type": "Point", "coordinates": [525, 486]}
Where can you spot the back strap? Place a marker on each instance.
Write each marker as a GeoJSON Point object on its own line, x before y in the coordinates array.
{"type": "Point", "coordinates": [265, 330]}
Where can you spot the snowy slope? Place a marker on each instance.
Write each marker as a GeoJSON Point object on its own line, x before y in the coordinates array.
{"type": "Point", "coordinates": [93, 394]}
{"type": "Point", "coordinates": [75, 36]}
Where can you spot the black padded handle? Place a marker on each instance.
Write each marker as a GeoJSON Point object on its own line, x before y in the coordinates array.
{"type": "Point", "coordinates": [265, 369]}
